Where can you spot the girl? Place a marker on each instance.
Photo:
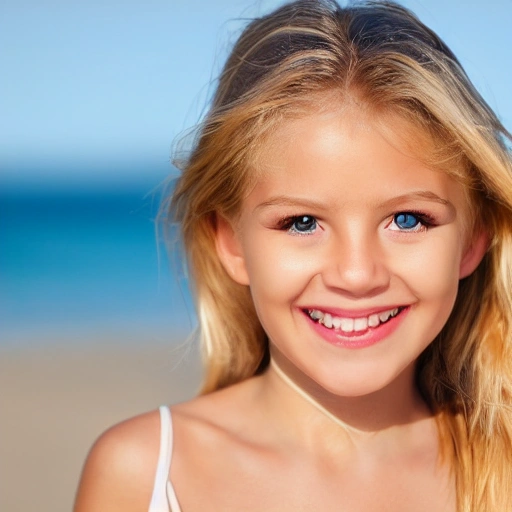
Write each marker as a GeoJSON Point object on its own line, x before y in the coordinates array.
{"type": "Point", "coordinates": [347, 216]}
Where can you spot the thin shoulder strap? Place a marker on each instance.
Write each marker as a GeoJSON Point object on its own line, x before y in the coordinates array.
{"type": "Point", "coordinates": [171, 494]}
{"type": "Point", "coordinates": [161, 493]}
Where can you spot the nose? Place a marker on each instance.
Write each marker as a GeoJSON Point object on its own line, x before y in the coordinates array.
{"type": "Point", "coordinates": [356, 264]}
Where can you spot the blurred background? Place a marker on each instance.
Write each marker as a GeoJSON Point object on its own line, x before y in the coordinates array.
{"type": "Point", "coordinates": [94, 316]}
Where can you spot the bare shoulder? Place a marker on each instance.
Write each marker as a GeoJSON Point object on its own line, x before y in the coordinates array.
{"type": "Point", "coordinates": [119, 471]}
{"type": "Point", "coordinates": [220, 412]}
{"type": "Point", "coordinates": [212, 429]}
{"type": "Point", "coordinates": [222, 440]}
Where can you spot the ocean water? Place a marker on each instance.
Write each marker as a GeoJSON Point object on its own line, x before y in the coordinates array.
{"type": "Point", "coordinates": [75, 260]}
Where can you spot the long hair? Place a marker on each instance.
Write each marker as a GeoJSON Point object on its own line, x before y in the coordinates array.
{"type": "Point", "coordinates": [380, 53]}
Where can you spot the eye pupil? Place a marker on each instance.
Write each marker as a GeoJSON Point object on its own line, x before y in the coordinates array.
{"type": "Point", "coordinates": [304, 223]}
{"type": "Point", "coordinates": [406, 220]}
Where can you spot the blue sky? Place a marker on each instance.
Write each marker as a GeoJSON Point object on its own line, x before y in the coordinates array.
{"type": "Point", "coordinates": [103, 87]}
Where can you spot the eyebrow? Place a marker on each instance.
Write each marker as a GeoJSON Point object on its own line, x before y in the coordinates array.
{"type": "Point", "coordinates": [292, 201]}
{"type": "Point", "coordinates": [422, 195]}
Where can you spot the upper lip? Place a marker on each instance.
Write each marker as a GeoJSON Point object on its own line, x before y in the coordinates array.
{"type": "Point", "coordinates": [353, 313]}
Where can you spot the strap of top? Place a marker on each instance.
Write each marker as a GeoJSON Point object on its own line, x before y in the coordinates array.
{"type": "Point", "coordinates": [163, 491]}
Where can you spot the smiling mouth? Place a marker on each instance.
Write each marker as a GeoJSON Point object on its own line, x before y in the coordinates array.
{"type": "Point", "coordinates": [353, 325]}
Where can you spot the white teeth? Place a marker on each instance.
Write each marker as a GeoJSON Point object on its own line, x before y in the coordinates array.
{"type": "Point", "coordinates": [384, 316]}
{"type": "Point", "coordinates": [352, 324]}
{"type": "Point", "coordinates": [347, 324]}
{"type": "Point", "coordinates": [336, 322]}
{"type": "Point", "coordinates": [360, 324]}
{"type": "Point", "coordinates": [373, 320]}
{"type": "Point", "coordinates": [315, 314]}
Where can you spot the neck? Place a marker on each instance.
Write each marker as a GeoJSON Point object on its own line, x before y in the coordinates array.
{"type": "Point", "coordinates": [397, 404]}
{"type": "Point", "coordinates": [308, 398]}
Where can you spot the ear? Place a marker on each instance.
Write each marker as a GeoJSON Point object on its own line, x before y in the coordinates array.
{"type": "Point", "coordinates": [229, 250]}
{"type": "Point", "coordinates": [474, 253]}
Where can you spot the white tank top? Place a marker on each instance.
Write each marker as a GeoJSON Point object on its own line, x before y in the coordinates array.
{"type": "Point", "coordinates": [164, 498]}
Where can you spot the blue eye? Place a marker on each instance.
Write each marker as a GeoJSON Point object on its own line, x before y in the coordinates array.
{"type": "Point", "coordinates": [303, 224]}
{"type": "Point", "coordinates": [407, 221]}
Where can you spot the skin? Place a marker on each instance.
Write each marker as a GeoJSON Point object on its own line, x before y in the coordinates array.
{"type": "Point", "coordinates": [259, 445]}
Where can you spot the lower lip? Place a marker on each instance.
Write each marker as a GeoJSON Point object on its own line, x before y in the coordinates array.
{"type": "Point", "coordinates": [362, 339]}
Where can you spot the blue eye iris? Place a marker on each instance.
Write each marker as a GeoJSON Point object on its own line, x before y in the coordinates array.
{"type": "Point", "coordinates": [303, 224]}
{"type": "Point", "coordinates": [406, 221]}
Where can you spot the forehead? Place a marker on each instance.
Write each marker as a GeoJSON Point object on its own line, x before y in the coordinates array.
{"type": "Point", "coordinates": [321, 121]}
{"type": "Point", "coordinates": [347, 155]}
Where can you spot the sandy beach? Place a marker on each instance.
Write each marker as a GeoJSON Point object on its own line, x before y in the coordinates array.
{"type": "Point", "coordinates": [57, 397]}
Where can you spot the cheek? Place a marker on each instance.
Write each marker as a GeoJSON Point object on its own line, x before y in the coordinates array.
{"type": "Point", "coordinates": [272, 263]}
{"type": "Point", "coordinates": [431, 270]}
{"type": "Point", "coordinates": [277, 275]}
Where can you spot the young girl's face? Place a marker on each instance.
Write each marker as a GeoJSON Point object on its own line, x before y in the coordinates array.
{"type": "Point", "coordinates": [352, 249]}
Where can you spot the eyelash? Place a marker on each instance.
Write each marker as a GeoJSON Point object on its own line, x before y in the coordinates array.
{"type": "Point", "coordinates": [287, 224]}
{"type": "Point", "coordinates": [425, 221]}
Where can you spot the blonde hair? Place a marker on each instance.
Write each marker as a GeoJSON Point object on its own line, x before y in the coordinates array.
{"type": "Point", "coordinates": [384, 56]}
